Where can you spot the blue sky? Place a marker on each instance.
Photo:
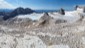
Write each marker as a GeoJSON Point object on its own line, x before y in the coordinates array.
{"type": "Point", "coordinates": [45, 4]}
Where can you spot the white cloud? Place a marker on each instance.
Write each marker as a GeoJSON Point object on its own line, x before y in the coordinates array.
{"type": "Point", "coordinates": [4, 4]}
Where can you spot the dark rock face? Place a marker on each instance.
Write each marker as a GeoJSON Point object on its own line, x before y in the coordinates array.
{"type": "Point", "coordinates": [45, 19]}
{"type": "Point", "coordinates": [76, 7]}
{"type": "Point", "coordinates": [62, 11]}
{"type": "Point", "coordinates": [60, 21]}
{"type": "Point", "coordinates": [18, 11]}
{"type": "Point", "coordinates": [84, 10]}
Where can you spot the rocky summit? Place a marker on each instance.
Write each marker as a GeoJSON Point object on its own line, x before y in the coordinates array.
{"type": "Point", "coordinates": [47, 30]}
{"type": "Point", "coordinates": [17, 11]}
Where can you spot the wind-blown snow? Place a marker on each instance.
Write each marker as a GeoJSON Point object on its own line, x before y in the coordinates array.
{"type": "Point", "coordinates": [34, 16]}
{"type": "Point", "coordinates": [70, 16]}
{"type": "Point", "coordinates": [80, 10]}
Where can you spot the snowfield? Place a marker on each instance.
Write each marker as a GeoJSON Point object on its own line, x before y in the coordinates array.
{"type": "Point", "coordinates": [34, 16]}
{"type": "Point", "coordinates": [70, 16]}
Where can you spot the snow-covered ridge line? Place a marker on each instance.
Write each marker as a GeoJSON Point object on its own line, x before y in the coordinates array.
{"type": "Point", "coordinates": [70, 16]}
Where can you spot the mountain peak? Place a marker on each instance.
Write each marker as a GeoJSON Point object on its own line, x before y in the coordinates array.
{"type": "Point", "coordinates": [18, 11]}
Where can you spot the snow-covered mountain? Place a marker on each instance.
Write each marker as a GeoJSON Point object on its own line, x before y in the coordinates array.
{"type": "Point", "coordinates": [44, 30]}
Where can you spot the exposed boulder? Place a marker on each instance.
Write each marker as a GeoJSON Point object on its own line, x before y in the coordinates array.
{"type": "Point", "coordinates": [62, 11]}
{"type": "Point", "coordinates": [45, 19]}
{"type": "Point", "coordinates": [18, 11]}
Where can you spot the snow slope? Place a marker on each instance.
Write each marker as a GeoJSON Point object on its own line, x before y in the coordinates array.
{"type": "Point", "coordinates": [70, 16]}
{"type": "Point", "coordinates": [34, 16]}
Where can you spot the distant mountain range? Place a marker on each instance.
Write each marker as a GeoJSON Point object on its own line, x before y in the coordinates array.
{"type": "Point", "coordinates": [37, 11]}
{"type": "Point", "coordinates": [6, 10]}
{"type": "Point", "coordinates": [7, 14]}
{"type": "Point", "coordinates": [10, 13]}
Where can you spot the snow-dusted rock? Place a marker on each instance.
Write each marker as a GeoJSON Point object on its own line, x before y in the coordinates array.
{"type": "Point", "coordinates": [30, 42]}
{"type": "Point", "coordinates": [58, 46]}
{"type": "Point", "coordinates": [8, 41]}
{"type": "Point", "coordinates": [44, 20]}
{"type": "Point", "coordinates": [81, 9]}
{"type": "Point", "coordinates": [62, 11]}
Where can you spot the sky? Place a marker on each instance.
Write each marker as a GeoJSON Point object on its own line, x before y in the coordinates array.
{"type": "Point", "coordinates": [41, 4]}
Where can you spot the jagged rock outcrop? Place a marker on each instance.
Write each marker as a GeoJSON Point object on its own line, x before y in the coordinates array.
{"type": "Point", "coordinates": [76, 7]}
{"type": "Point", "coordinates": [45, 19]}
{"type": "Point", "coordinates": [62, 11]}
{"type": "Point", "coordinates": [18, 11]}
